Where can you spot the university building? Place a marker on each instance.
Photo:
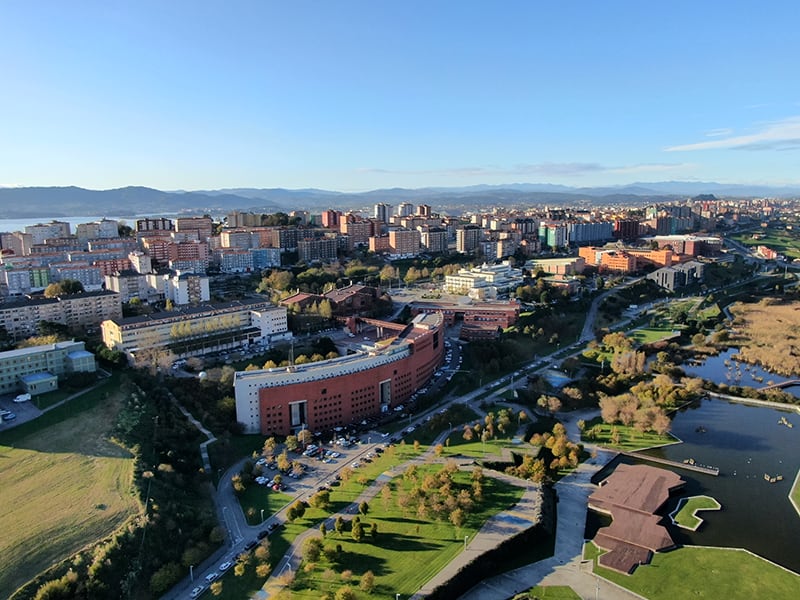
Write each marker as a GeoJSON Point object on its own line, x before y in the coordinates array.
{"type": "Point", "coordinates": [36, 370]}
{"type": "Point", "coordinates": [339, 391]}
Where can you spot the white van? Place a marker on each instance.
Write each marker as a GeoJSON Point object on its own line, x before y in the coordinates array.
{"type": "Point", "coordinates": [22, 398]}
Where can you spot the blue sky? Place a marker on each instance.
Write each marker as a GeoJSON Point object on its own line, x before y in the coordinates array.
{"type": "Point", "coordinates": [361, 95]}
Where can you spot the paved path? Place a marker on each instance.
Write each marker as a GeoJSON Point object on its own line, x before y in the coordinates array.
{"type": "Point", "coordinates": [566, 566]}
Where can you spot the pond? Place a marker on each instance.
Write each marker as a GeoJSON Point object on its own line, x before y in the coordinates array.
{"type": "Point", "coordinates": [745, 442]}
{"type": "Point", "coordinates": [723, 368]}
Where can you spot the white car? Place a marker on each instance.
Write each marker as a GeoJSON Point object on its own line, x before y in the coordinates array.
{"type": "Point", "coordinates": [197, 591]}
{"type": "Point", "coordinates": [22, 398]}
{"type": "Point", "coordinates": [211, 577]}
{"type": "Point", "coordinates": [225, 566]}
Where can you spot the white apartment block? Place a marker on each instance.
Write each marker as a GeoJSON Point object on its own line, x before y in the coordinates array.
{"type": "Point", "coordinates": [195, 331]}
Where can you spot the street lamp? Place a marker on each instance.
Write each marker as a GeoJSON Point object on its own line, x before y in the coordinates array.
{"type": "Point", "coordinates": [191, 572]}
{"type": "Point", "coordinates": [397, 596]}
{"type": "Point", "coordinates": [465, 542]}
{"type": "Point", "coordinates": [262, 515]}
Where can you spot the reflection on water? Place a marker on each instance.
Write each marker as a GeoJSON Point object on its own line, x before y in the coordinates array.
{"type": "Point", "coordinates": [746, 443]}
{"type": "Point", "coordinates": [723, 368]}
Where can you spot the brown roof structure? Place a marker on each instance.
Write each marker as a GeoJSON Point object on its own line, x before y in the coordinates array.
{"type": "Point", "coordinates": [631, 495]}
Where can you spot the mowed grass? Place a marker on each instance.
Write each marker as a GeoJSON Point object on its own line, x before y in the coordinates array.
{"type": "Point", "coordinates": [686, 516]}
{"type": "Point", "coordinates": [795, 494]}
{"type": "Point", "coordinates": [64, 485]}
{"type": "Point", "coordinates": [629, 438]}
{"type": "Point", "coordinates": [648, 335]}
{"type": "Point", "coordinates": [548, 592]}
{"type": "Point", "coordinates": [692, 572]}
{"type": "Point", "coordinates": [407, 551]}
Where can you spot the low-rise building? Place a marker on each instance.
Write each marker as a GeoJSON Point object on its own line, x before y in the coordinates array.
{"type": "Point", "coordinates": [36, 370]}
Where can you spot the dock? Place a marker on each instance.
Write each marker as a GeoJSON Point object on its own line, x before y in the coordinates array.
{"type": "Point", "coordinates": [706, 470]}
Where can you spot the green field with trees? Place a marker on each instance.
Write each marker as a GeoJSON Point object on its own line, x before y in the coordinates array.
{"type": "Point", "coordinates": [406, 534]}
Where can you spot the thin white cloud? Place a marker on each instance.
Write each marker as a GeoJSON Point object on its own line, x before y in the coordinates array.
{"type": "Point", "coordinates": [575, 169]}
{"type": "Point", "coordinates": [777, 135]}
{"type": "Point", "coordinates": [719, 132]}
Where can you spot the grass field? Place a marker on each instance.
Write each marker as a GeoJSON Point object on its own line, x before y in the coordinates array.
{"type": "Point", "coordinates": [647, 335]}
{"type": "Point", "coordinates": [548, 592]}
{"type": "Point", "coordinates": [629, 438]}
{"type": "Point", "coordinates": [692, 572]}
{"type": "Point", "coordinates": [63, 484]}
{"type": "Point", "coordinates": [407, 550]}
{"type": "Point", "coordinates": [257, 497]}
{"type": "Point", "coordinates": [795, 494]}
{"type": "Point", "coordinates": [686, 516]}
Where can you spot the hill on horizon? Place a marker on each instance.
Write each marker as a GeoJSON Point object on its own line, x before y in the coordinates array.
{"type": "Point", "coordinates": [55, 202]}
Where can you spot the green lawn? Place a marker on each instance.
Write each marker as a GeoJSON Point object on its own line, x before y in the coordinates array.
{"type": "Point", "coordinates": [647, 335]}
{"type": "Point", "coordinates": [629, 438]}
{"type": "Point", "coordinates": [256, 497]}
{"type": "Point", "coordinates": [407, 551]}
{"type": "Point", "coordinates": [693, 572]}
{"type": "Point", "coordinates": [548, 592]}
{"type": "Point", "coordinates": [64, 485]}
{"type": "Point", "coordinates": [796, 494]}
{"type": "Point", "coordinates": [686, 516]}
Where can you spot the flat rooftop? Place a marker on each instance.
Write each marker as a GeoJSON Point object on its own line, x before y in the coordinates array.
{"type": "Point", "coordinates": [631, 495]}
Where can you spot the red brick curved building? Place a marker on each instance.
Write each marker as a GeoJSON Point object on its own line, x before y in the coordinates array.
{"type": "Point", "coordinates": [340, 391]}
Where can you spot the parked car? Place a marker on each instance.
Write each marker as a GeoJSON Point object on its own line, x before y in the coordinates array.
{"type": "Point", "coordinates": [225, 566]}
{"type": "Point", "coordinates": [9, 416]}
{"type": "Point", "coordinates": [197, 591]}
{"type": "Point", "coordinates": [22, 398]}
{"type": "Point", "coordinates": [211, 577]}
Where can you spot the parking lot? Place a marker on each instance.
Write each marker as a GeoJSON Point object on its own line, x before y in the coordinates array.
{"type": "Point", "coordinates": [22, 411]}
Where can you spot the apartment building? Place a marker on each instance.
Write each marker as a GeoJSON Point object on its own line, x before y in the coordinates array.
{"type": "Point", "coordinates": [197, 330]}
{"type": "Point", "coordinates": [81, 312]}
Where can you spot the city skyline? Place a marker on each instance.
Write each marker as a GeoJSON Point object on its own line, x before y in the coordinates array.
{"type": "Point", "coordinates": [356, 96]}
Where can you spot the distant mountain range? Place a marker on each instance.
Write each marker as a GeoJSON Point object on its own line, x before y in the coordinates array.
{"type": "Point", "coordinates": [43, 202]}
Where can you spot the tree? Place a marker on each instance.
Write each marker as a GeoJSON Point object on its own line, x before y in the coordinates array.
{"type": "Point", "coordinates": [283, 461]}
{"type": "Point", "coordinates": [325, 309]}
{"type": "Point", "coordinates": [262, 551]}
{"type": "Point", "coordinates": [357, 532]}
{"type": "Point", "coordinates": [291, 442]}
{"type": "Point", "coordinates": [269, 446]}
{"type": "Point", "coordinates": [304, 436]}
{"type": "Point", "coordinates": [367, 583]}
{"type": "Point", "coordinates": [339, 525]}
{"type": "Point", "coordinates": [468, 433]}
{"type": "Point", "coordinates": [323, 529]}
{"type": "Point", "coordinates": [457, 518]}
{"type": "Point", "coordinates": [363, 507]}
{"type": "Point", "coordinates": [216, 588]}
{"type": "Point", "coordinates": [345, 593]}
{"type": "Point", "coordinates": [312, 549]}
{"type": "Point", "coordinates": [65, 287]}
{"type": "Point", "coordinates": [163, 579]}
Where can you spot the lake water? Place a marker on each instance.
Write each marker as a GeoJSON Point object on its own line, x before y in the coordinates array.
{"type": "Point", "coordinates": [745, 442]}
{"type": "Point", "coordinates": [723, 368]}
